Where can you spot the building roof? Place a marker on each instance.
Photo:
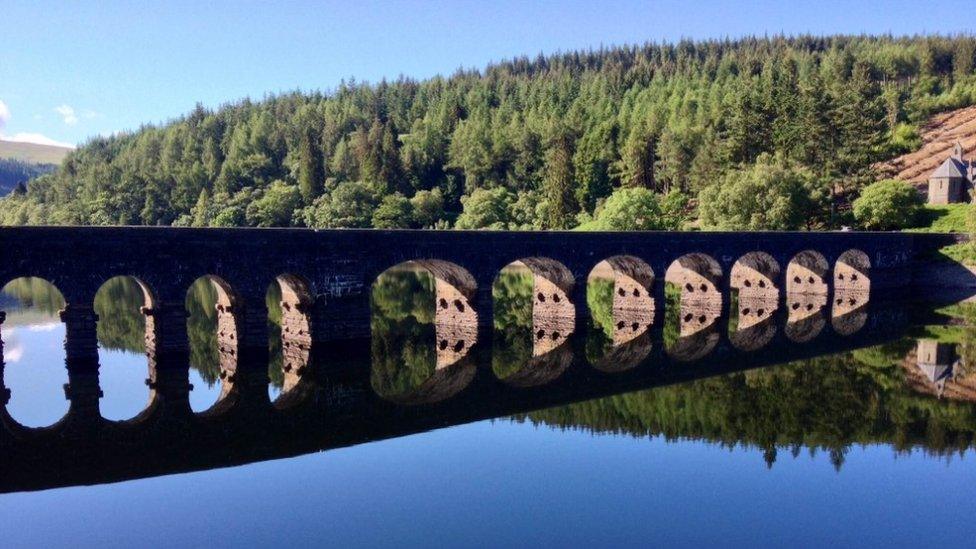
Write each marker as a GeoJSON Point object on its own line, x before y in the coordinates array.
{"type": "Point", "coordinates": [952, 167]}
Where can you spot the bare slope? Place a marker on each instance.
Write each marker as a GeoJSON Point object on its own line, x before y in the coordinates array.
{"type": "Point", "coordinates": [31, 152]}
{"type": "Point", "coordinates": [938, 137]}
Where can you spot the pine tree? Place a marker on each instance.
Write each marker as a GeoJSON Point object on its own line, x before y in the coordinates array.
{"type": "Point", "coordinates": [200, 212]}
{"type": "Point", "coordinates": [311, 172]}
{"type": "Point", "coordinates": [558, 180]}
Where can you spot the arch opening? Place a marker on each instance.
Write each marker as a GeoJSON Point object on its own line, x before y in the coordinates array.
{"type": "Point", "coordinates": [424, 325]}
{"type": "Point", "coordinates": [693, 306]}
{"type": "Point", "coordinates": [852, 292]}
{"type": "Point", "coordinates": [852, 272]}
{"type": "Point", "coordinates": [620, 298]}
{"type": "Point", "coordinates": [754, 299]}
{"type": "Point", "coordinates": [806, 295]}
{"type": "Point", "coordinates": [212, 330]}
{"type": "Point", "coordinates": [806, 274]}
{"type": "Point", "coordinates": [533, 321]}
{"type": "Point", "coordinates": [289, 301]}
{"type": "Point", "coordinates": [32, 364]}
{"type": "Point", "coordinates": [124, 335]}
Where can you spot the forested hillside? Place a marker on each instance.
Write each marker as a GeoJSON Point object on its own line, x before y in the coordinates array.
{"type": "Point", "coordinates": [14, 173]}
{"type": "Point", "coordinates": [764, 133]}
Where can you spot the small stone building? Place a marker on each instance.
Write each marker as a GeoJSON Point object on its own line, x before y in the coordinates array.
{"type": "Point", "coordinates": [952, 180]}
{"type": "Point", "coordinates": [936, 360]}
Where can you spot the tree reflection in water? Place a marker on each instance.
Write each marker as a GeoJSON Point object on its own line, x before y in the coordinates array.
{"type": "Point", "coordinates": [916, 393]}
{"type": "Point", "coordinates": [880, 394]}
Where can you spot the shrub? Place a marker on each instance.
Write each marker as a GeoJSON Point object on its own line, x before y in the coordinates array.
{"type": "Point", "coordinates": [887, 205]}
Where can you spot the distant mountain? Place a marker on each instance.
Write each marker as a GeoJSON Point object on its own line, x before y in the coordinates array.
{"type": "Point", "coordinates": [939, 135]}
{"type": "Point", "coordinates": [21, 162]}
{"type": "Point", "coordinates": [32, 152]}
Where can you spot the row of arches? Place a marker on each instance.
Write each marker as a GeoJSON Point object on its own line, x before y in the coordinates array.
{"type": "Point", "coordinates": [534, 316]}
{"type": "Point", "coordinates": [532, 295]}
{"type": "Point", "coordinates": [130, 324]}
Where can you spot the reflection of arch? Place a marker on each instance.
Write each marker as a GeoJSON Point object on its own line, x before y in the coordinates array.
{"type": "Point", "coordinates": [446, 382]}
{"type": "Point", "coordinates": [807, 274]}
{"type": "Point", "coordinates": [39, 301]}
{"type": "Point", "coordinates": [624, 356]}
{"type": "Point", "coordinates": [806, 295]}
{"type": "Point", "coordinates": [753, 278]}
{"type": "Point", "coordinates": [228, 326]}
{"type": "Point", "coordinates": [124, 308]}
{"type": "Point", "coordinates": [849, 311]}
{"type": "Point", "coordinates": [852, 272]}
{"type": "Point", "coordinates": [296, 334]}
{"type": "Point", "coordinates": [756, 324]}
{"type": "Point", "coordinates": [806, 319]}
{"type": "Point", "coordinates": [631, 284]}
{"type": "Point", "coordinates": [544, 367]}
{"type": "Point", "coordinates": [694, 346]}
{"type": "Point", "coordinates": [404, 325]}
{"type": "Point", "coordinates": [454, 342]}
{"type": "Point", "coordinates": [697, 277]}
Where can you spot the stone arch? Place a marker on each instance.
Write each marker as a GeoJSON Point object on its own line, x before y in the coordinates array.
{"type": "Point", "coordinates": [447, 325]}
{"type": "Point", "coordinates": [145, 308]}
{"type": "Point", "coordinates": [296, 334]}
{"type": "Point", "coordinates": [755, 290]}
{"type": "Point", "coordinates": [806, 274]}
{"type": "Point", "coordinates": [35, 302]}
{"type": "Point", "coordinates": [697, 275]}
{"type": "Point", "coordinates": [124, 308]}
{"type": "Point", "coordinates": [756, 273]}
{"type": "Point", "coordinates": [221, 360]}
{"type": "Point", "coordinates": [552, 287]}
{"type": "Point", "coordinates": [806, 295]}
{"type": "Point", "coordinates": [852, 272]}
{"type": "Point", "coordinates": [693, 280]}
{"type": "Point", "coordinates": [627, 282]}
{"type": "Point", "coordinates": [534, 317]}
{"type": "Point", "coordinates": [454, 289]}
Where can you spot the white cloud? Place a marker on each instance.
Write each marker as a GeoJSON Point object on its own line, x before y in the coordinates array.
{"type": "Point", "coordinates": [4, 115]}
{"type": "Point", "coordinates": [67, 113]}
{"type": "Point", "coordinates": [36, 138]}
{"type": "Point", "coordinates": [48, 327]}
{"type": "Point", "coordinates": [14, 353]}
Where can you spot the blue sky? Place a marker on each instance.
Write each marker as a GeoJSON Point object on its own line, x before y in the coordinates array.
{"type": "Point", "coordinates": [70, 70]}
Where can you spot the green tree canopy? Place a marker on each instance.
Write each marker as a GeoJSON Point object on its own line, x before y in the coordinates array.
{"type": "Point", "coordinates": [887, 205]}
{"type": "Point", "coordinates": [394, 212]}
{"type": "Point", "coordinates": [769, 195]}
{"type": "Point", "coordinates": [629, 209]}
{"type": "Point", "coordinates": [486, 209]}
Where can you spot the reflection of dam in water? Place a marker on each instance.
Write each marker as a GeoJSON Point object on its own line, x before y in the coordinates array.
{"type": "Point", "coordinates": [345, 393]}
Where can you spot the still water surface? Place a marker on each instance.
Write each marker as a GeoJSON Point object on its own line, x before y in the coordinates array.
{"type": "Point", "coordinates": [865, 446]}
